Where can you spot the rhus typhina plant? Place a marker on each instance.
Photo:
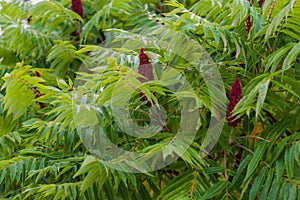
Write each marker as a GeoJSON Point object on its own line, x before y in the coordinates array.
{"type": "Point", "coordinates": [42, 155]}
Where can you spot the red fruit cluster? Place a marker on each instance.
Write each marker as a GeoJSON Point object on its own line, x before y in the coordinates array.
{"type": "Point", "coordinates": [145, 69]}
{"type": "Point", "coordinates": [235, 97]}
{"type": "Point", "coordinates": [37, 92]}
{"type": "Point", "coordinates": [250, 1]}
{"type": "Point", "coordinates": [260, 2]}
{"type": "Point", "coordinates": [38, 74]}
{"type": "Point", "coordinates": [248, 20]}
{"type": "Point", "coordinates": [76, 6]}
{"type": "Point", "coordinates": [248, 24]}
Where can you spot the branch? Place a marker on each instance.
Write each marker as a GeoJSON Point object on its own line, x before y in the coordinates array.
{"type": "Point", "coordinates": [252, 136]}
{"type": "Point", "coordinates": [271, 10]}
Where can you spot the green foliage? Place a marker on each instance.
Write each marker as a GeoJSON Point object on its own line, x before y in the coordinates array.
{"type": "Point", "coordinates": [42, 153]}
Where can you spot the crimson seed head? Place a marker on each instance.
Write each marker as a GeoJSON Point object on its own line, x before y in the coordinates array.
{"type": "Point", "coordinates": [38, 74]}
{"type": "Point", "coordinates": [260, 2]}
{"type": "Point", "coordinates": [37, 92]}
{"type": "Point", "coordinates": [145, 68]}
{"type": "Point", "coordinates": [248, 24]}
{"type": "Point", "coordinates": [235, 97]}
{"type": "Point", "coordinates": [248, 20]}
{"type": "Point", "coordinates": [250, 1]}
{"type": "Point", "coordinates": [143, 57]}
{"type": "Point", "coordinates": [76, 6]}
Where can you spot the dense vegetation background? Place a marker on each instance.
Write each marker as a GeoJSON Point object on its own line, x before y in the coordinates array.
{"type": "Point", "coordinates": [43, 45]}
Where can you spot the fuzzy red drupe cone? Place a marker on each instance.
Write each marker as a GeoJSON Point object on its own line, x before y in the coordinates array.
{"type": "Point", "coordinates": [145, 69]}
{"type": "Point", "coordinates": [250, 1]}
{"type": "Point", "coordinates": [248, 20]}
{"type": "Point", "coordinates": [37, 92]}
{"type": "Point", "coordinates": [260, 2]}
{"type": "Point", "coordinates": [76, 6]}
{"type": "Point", "coordinates": [235, 97]}
{"type": "Point", "coordinates": [248, 24]}
{"type": "Point", "coordinates": [38, 74]}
